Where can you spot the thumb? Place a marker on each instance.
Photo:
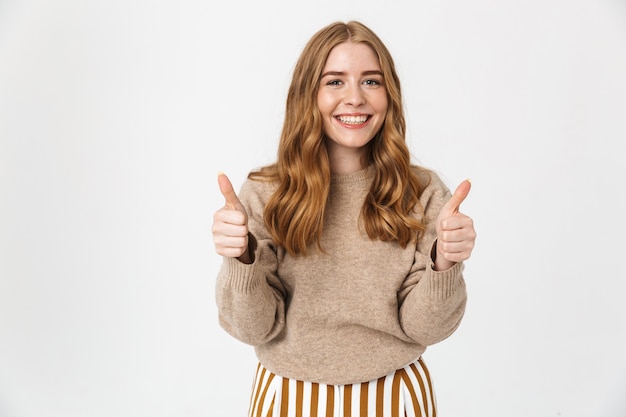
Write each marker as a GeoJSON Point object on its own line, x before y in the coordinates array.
{"type": "Point", "coordinates": [461, 192]}
{"type": "Point", "coordinates": [226, 188]}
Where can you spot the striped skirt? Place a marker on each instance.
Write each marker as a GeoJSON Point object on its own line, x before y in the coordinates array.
{"type": "Point", "coordinates": [407, 392]}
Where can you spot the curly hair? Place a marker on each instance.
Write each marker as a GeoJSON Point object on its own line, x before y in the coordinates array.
{"type": "Point", "coordinates": [295, 212]}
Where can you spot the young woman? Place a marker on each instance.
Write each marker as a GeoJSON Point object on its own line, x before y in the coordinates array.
{"type": "Point", "coordinates": [342, 260]}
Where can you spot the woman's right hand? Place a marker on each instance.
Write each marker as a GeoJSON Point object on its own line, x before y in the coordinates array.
{"type": "Point", "coordinates": [230, 224]}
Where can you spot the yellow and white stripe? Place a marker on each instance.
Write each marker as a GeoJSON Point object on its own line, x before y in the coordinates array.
{"type": "Point", "coordinates": [407, 392]}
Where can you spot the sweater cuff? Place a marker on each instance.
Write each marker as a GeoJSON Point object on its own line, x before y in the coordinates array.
{"type": "Point", "coordinates": [442, 284]}
{"type": "Point", "coordinates": [241, 277]}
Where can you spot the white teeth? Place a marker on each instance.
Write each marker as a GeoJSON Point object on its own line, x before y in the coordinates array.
{"type": "Point", "coordinates": [352, 120]}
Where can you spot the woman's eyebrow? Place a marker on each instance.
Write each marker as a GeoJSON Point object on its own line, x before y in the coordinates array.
{"type": "Point", "coordinates": [340, 73]}
{"type": "Point", "coordinates": [333, 73]}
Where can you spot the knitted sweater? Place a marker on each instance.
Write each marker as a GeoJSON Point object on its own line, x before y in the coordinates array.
{"type": "Point", "coordinates": [357, 312]}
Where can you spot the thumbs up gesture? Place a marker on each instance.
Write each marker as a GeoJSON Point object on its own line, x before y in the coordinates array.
{"type": "Point", "coordinates": [230, 224]}
{"type": "Point", "coordinates": [455, 231]}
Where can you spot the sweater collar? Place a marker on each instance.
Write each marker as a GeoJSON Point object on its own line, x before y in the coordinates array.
{"type": "Point", "coordinates": [354, 177]}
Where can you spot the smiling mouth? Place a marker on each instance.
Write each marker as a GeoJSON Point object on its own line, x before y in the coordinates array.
{"type": "Point", "coordinates": [352, 120]}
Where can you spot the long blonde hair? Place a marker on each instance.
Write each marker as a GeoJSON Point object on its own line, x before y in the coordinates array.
{"type": "Point", "coordinates": [294, 215]}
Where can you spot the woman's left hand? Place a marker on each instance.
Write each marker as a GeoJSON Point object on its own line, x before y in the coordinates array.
{"type": "Point", "coordinates": [455, 231]}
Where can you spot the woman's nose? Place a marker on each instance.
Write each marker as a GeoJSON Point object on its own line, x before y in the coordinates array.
{"type": "Point", "coordinates": [354, 95]}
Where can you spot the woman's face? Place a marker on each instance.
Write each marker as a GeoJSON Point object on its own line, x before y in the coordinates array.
{"type": "Point", "coordinates": [352, 99]}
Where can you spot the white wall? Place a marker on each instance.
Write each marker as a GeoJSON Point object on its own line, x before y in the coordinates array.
{"type": "Point", "coordinates": [116, 116]}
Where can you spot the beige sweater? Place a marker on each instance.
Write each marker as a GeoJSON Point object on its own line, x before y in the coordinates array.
{"type": "Point", "coordinates": [356, 313]}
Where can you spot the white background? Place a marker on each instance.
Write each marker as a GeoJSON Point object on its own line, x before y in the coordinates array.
{"type": "Point", "coordinates": [115, 117]}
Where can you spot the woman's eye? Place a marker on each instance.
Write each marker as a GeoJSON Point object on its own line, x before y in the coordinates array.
{"type": "Point", "coordinates": [372, 82]}
{"type": "Point", "coordinates": [333, 82]}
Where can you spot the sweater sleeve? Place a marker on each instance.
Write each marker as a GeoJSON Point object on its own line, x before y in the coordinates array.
{"type": "Point", "coordinates": [432, 303]}
{"type": "Point", "coordinates": [251, 298]}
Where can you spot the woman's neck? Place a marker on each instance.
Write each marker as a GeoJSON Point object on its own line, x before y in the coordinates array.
{"type": "Point", "coordinates": [346, 163]}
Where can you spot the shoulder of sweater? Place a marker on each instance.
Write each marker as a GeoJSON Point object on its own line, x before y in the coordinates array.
{"type": "Point", "coordinates": [257, 191]}
{"type": "Point", "coordinates": [258, 185]}
{"type": "Point", "coordinates": [434, 191]}
{"type": "Point", "coordinates": [429, 177]}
